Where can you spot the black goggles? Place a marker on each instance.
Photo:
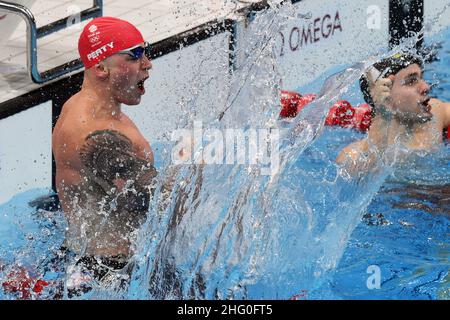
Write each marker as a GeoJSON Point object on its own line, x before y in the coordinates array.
{"type": "Point", "coordinates": [137, 51]}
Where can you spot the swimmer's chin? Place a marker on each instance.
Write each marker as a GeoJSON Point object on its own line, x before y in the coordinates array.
{"type": "Point", "coordinates": [426, 114]}
{"type": "Point", "coordinates": [131, 101]}
{"type": "Point", "coordinates": [134, 103]}
{"type": "Point", "coordinates": [424, 118]}
{"type": "Point", "coordinates": [419, 118]}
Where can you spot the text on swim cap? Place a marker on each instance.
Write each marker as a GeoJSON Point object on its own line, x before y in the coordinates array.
{"type": "Point", "coordinates": [99, 51]}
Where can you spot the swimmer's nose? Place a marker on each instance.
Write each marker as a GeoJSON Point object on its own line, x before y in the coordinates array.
{"type": "Point", "coordinates": [146, 63]}
{"type": "Point", "coordinates": [424, 88]}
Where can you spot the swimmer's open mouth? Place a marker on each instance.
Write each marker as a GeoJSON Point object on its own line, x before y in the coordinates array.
{"type": "Point", "coordinates": [425, 104]}
{"type": "Point", "coordinates": [140, 84]}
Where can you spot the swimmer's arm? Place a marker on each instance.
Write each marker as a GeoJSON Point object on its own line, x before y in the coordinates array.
{"type": "Point", "coordinates": [184, 155]}
{"type": "Point", "coordinates": [446, 114]}
{"type": "Point", "coordinates": [108, 155]}
{"type": "Point", "coordinates": [441, 110]}
{"type": "Point", "coordinates": [350, 158]}
{"type": "Point", "coordinates": [349, 153]}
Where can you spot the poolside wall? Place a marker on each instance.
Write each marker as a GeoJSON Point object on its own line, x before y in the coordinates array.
{"type": "Point", "coordinates": [337, 32]}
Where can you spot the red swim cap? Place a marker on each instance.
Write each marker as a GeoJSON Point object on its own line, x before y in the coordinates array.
{"type": "Point", "coordinates": [104, 36]}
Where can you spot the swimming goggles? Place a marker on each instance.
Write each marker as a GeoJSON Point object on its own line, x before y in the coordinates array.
{"type": "Point", "coordinates": [137, 51]}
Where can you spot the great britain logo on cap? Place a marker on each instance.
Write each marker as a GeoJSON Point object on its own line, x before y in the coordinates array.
{"type": "Point", "coordinates": [94, 36]}
{"type": "Point", "coordinates": [103, 37]}
{"type": "Point", "coordinates": [94, 39]}
{"type": "Point", "coordinates": [93, 28]}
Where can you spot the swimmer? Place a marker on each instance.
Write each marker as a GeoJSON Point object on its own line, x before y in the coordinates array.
{"type": "Point", "coordinates": [104, 165]}
{"type": "Point", "coordinates": [403, 112]}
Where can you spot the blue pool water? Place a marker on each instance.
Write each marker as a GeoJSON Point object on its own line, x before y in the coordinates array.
{"type": "Point", "coordinates": [311, 233]}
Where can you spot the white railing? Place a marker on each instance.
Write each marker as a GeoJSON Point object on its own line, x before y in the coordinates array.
{"type": "Point", "coordinates": [34, 33]}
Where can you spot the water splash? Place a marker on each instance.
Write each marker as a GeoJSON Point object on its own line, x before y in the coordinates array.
{"type": "Point", "coordinates": [229, 232]}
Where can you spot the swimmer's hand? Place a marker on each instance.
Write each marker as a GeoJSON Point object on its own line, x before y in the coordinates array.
{"type": "Point", "coordinates": [380, 89]}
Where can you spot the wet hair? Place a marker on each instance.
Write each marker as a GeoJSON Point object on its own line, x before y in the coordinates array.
{"type": "Point", "coordinates": [388, 66]}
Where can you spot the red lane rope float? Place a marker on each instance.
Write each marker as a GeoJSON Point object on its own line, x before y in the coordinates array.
{"type": "Point", "coordinates": [21, 283]}
{"type": "Point", "coordinates": [292, 102]}
{"type": "Point", "coordinates": [342, 113]}
{"type": "Point", "coordinates": [363, 117]}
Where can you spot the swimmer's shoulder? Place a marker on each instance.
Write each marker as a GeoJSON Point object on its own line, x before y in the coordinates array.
{"type": "Point", "coordinates": [353, 151]}
{"type": "Point", "coordinates": [441, 110]}
{"type": "Point", "coordinates": [72, 127]}
{"type": "Point", "coordinates": [73, 116]}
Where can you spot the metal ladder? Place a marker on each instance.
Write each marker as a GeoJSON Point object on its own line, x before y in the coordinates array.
{"type": "Point", "coordinates": [34, 33]}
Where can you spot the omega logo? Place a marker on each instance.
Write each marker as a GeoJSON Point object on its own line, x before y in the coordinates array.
{"type": "Point", "coordinates": [321, 28]}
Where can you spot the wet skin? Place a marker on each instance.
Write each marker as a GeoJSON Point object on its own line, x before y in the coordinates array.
{"type": "Point", "coordinates": [414, 121]}
{"type": "Point", "coordinates": [104, 165]}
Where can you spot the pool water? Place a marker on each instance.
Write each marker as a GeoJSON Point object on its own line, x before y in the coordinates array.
{"type": "Point", "coordinates": [404, 232]}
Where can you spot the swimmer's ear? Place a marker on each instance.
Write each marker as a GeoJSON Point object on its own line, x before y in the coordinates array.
{"type": "Point", "coordinates": [101, 70]}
